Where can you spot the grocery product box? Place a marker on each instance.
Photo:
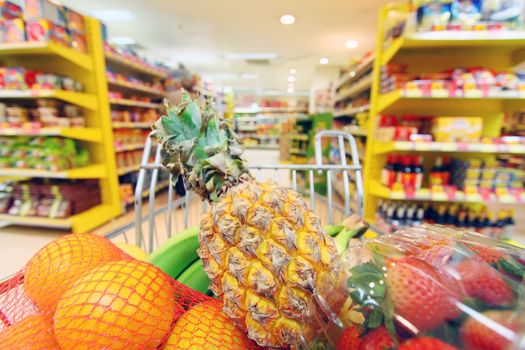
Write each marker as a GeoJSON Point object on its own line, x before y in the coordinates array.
{"type": "Point", "coordinates": [46, 30]}
{"type": "Point", "coordinates": [44, 9]}
{"type": "Point", "coordinates": [13, 31]}
{"type": "Point", "coordinates": [10, 10]}
{"type": "Point", "coordinates": [457, 129]}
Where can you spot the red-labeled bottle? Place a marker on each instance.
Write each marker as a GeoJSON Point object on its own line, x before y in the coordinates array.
{"type": "Point", "coordinates": [388, 174]}
{"type": "Point", "coordinates": [435, 173]}
{"type": "Point", "coordinates": [445, 171]}
{"type": "Point", "coordinates": [418, 171]}
{"type": "Point", "coordinates": [406, 172]}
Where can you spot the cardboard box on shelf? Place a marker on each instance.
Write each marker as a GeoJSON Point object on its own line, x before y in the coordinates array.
{"type": "Point", "coordinates": [457, 129]}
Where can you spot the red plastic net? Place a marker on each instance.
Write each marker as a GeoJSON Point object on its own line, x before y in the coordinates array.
{"type": "Point", "coordinates": [82, 292]}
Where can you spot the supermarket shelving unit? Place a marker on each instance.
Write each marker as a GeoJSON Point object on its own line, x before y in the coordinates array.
{"type": "Point", "coordinates": [433, 52]}
{"type": "Point", "coordinates": [248, 121]}
{"type": "Point", "coordinates": [97, 137]}
{"type": "Point", "coordinates": [352, 85]}
{"type": "Point", "coordinates": [126, 66]}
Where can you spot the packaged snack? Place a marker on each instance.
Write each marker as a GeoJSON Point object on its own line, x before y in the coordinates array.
{"type": "Point", "coordinates": [44, 9]}
{"type": "Point", "coordinates": [79, 42]}
{"type": "Point", "coordinates": [433, 15]}
{"type": "Point", "coordinates": [9, 10]}
{"type": "Point", "coordinates": [466, 12]}
{"type": "Point", "coordinates": [75, 21]}
{"type": "Point", "coordinates": [456, 129]}
{"type": "Point", "coordinates": [509, 12]}
{"type": "Point", "coordinates": [14, 31]}
{"type": "Point", "coordinates": [47, 30]}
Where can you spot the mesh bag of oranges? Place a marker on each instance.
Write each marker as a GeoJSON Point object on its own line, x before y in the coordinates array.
{"type": "Point", "coordinates": [82, 292]}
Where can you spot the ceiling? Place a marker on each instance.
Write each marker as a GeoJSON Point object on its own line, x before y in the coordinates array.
{"type": "Point", "coordinates": [200, 33]}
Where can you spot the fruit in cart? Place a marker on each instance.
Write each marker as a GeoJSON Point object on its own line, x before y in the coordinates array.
{"type": "Point", "coordinates": [61, 263]}
{"type": "Point", "coordinates": [206, 327]}
{"type": "Point", "coordinates": [491, 330]}
{"type": "Point", "coordinates": [125, 304]}
{"type": "Point", "coordinates": [425, 343]}
{"type": "Point", "coordinates": [350, 339]}
{"type": "Point", "coordinates": [265, 252]}
{"type": "Point", "coordinates": [32, 333]}
{"type": "Point", "coordinates": [377, 339]}
{"type": "Point", "coordinates": [422, 300]}
{"type": "Point", "coordinates": [482, 281]}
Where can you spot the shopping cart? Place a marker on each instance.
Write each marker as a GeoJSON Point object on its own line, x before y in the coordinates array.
{"type": "Point", "coordinates": [158, 217]}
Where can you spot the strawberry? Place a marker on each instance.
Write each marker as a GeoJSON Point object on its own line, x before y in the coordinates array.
{"type": "Point", "coordinates": [425, 343]}
{"type": "Point", "coordinates": [421, 300]}
{"type": "Point", "coordinates": [482, 281]}
{"type": "Point", "coordinates": [350, 339]}
{"type": "Point", "coordinates": [377, 339]}
{"type": "Point", "coordinates": [475, 335]}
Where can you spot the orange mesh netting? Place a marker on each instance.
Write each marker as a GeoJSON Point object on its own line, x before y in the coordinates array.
{"type": "Point", "coordinates": [81, 292]}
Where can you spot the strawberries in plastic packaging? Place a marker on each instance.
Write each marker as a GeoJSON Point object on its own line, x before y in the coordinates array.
{"type": "Point", "coordinates": [432, 287]}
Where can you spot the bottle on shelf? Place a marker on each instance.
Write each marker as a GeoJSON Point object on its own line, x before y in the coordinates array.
{"type": "Point", "coordinates": [388, 174]}
{"type": "Point", "coordinates": [417, 172]}
{"type": "Point", "coordinates": [436, 172]}
{"type": "Point", "coordinates": [406, 174]}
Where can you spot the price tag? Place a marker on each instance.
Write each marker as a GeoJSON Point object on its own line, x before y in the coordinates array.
{"type": "Point", "coordinates": [448, 147]}
{"type": "Point", "coordinates": [451, 193]}
{"type": "Point", "coordinates": [438, 193]}
{"type": "Point", "coordinates": [412, 90]}
{"type": "Point", "coordinates": [398, 192]}
{"type": "Point", "coordinates": [485, 194]}
{"type": "Point", "coordinates": [462, 146]}
{"type": "Point", "coordinates": [502, 148]}
{"type": "Point", "coordinates": [472, 93]}
{"type": "Point", "coordinates": [422, 146]}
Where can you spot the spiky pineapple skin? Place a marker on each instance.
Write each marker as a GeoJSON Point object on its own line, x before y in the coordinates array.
{"type": "Point", "coordinates": [267, 255]}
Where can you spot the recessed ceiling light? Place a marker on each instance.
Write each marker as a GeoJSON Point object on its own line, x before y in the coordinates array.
{"type": "Point", "coordinates": [290, 90]}
{"type": "Point", "coordinates": [352, 74]}
{"type": "Point", "coordinates": [352, 44]}
{"type": "Point", "coordinates": [287, 19]}
{"type": "Point", "coordinates": [324, 60]}
{"type": "Point", "coordinates": [291, 79]}
{"type": "Point", "coordinates": [250, 56]}
{"type": "Point", "coordinates": [114, 15]}
{"type": "Point", "coordinates": [293, 71]}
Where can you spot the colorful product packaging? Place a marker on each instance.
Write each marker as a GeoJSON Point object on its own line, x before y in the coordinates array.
{"type": "Point", "coordinates": [9, 10]}
{"type": "Point", "coordinates": [14, 31]}
{"type": "Point", "coordinates": [457, 129]}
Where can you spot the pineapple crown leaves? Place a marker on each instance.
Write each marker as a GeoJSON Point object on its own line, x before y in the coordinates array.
{"type": "Point", "coordinates": [201, 147]}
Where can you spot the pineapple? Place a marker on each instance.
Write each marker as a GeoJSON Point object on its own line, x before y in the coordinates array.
{"type": "Point", "coordinates": [265, 252]}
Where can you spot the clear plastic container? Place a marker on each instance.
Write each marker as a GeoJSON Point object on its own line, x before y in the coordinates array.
{"type": "Point", "coordinates": [430, 287]}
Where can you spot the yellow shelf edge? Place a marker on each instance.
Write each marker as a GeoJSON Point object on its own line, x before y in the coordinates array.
{"type": "Point", "coordinates": [131, 147]}
{"type": "Point", "coordinates": [387, 147]}
{"type": "Point", "coordinates": [77, 98]}
{"type": "Point", "coordinates": [454, 39]}
{"type": "Point", "coordinates": [83, 134]}
{"type": "Point", "coordinates": [94, 217]}
{"type": "Point", "coordinates": [131, 86]}
{"type": "Point", "coordinates": [47, 48]}
{"type": "Point", "coordinates": [351, 111]}
{"type": "Point", "coordinates": [129, 64]}
{"type": "Point", "coordinates": [95, 171]}
{"type": "Point", "coordinates": [131, 125]}
{"type": "Point", "coordinates": [389, 99]}
{"type": "Point", "coordinates": [381, 191]}
{"type": "Point", "coordinates": [36, 221]}
{"type": "Point", "coordinates": [358, 88]}
{"type": "Point", "coordinates": [133, 103]}
{"type": "Point", "coordinates": [128, 169]}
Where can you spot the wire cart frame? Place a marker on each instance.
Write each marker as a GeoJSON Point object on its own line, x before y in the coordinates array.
{"type": "Point", "coordinates": [179, 213]}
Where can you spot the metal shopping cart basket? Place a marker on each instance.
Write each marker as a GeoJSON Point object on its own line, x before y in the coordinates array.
{"type": "Point", "coordinates": [166, 226]}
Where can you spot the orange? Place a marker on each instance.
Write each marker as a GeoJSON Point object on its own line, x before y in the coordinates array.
{"type": "Point", "coordinates": [120, 305]}
{"type": "Point", "coordinates": [32, 333]}
{"type": "Point", "coordinates": [59, 264]}
{"type": "Point", "coordinates": [206, 327]}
